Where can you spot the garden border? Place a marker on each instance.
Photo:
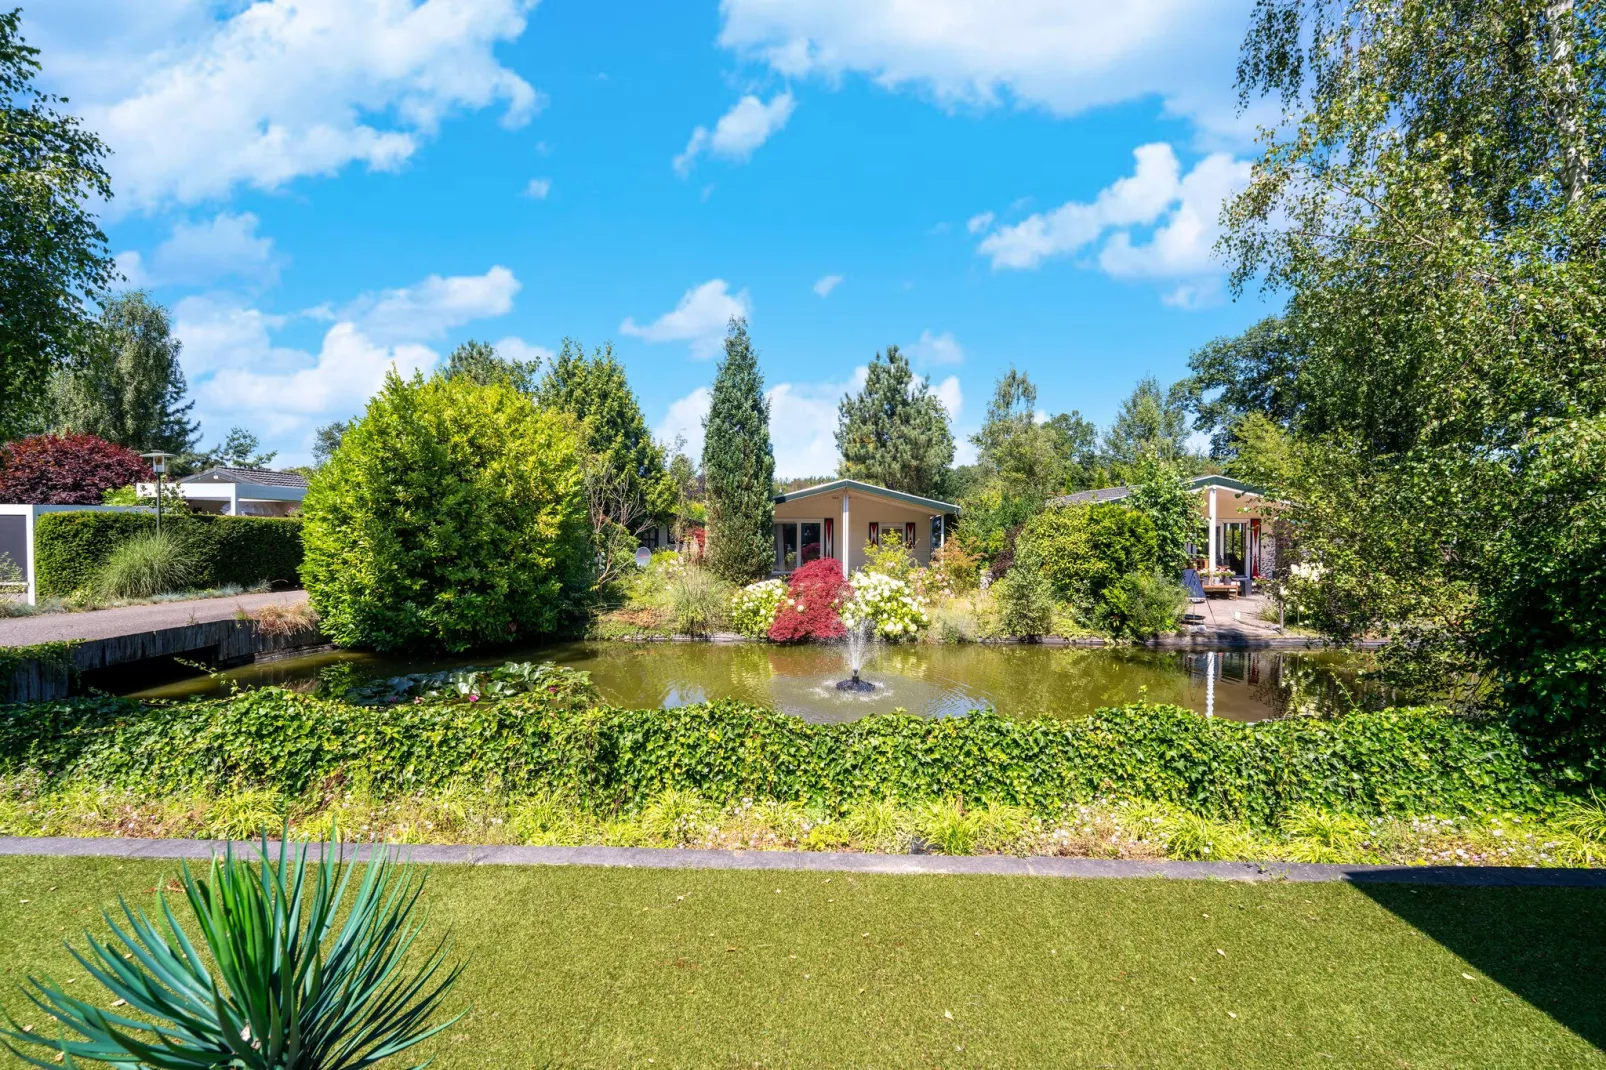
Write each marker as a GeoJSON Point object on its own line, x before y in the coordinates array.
{"type": "Point", "coordinates": [842, 862]}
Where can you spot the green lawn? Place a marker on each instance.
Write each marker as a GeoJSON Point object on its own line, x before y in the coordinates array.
{"type": "Point", "coordinates": [638, 968]}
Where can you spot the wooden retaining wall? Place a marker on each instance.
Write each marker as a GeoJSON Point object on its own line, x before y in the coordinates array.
{"type": "Point", "coordinates": [218, 643]}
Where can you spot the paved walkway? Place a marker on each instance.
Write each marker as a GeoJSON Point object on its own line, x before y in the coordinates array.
{"type": "Point", "coordinates": [829, 862]}
{"type": "Point", "coordinates": [130, 620]}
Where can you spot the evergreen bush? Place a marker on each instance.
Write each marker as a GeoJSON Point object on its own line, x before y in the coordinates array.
{"type": "Point", "coordinates": [451, 516]}
{"type": "Point", "coordinates": [739, 466]}
{"type": "Point", "coordinates": [1086, 548]}
{"type": "Point", "coordinates": [71, 549]}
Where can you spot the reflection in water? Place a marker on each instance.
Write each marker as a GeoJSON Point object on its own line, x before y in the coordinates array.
{"type": "Point", "coordinates": [933, 681]}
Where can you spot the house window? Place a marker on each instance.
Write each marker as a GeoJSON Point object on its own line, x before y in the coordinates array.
{"type": "Point", "coordinates": [797, 542]}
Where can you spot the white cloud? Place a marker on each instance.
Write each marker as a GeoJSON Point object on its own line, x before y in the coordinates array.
{"type": "Point", "coordinates": [826, 284]}
{"type": "Point", "coordinates": [349, 367]}
{"type": "Point", "coordinates": [740, 131]}
{"type": "Point", "coordinates": [279, 89]}
{"type": "Point", "coordinates": [1182, 245]}
{"type": "Point", "coordinates": [1138, 198]}
{"type": "Point", "coordinates": [952, 398]}
{"type": "Point", "coordinates": [979, 222]}
{"type": "Point", "coordinates": [684, 420]}
{"type": "Point", "coordinates": [432, 307]}
{"type": "Point", "coordinates": [802, 423]}
{"type": "Point", "coordinates": [239, 375]}
{"type": "Point", "coordinates": [514, 348]}
{"type": "Point", "coordinates": [1065, 56]}
{"type": "Point", "coordinates": [1182, 210]}
{"type": "Point", "coordinates": [204, 253]}
{"type": "Point", "coordinates": [538, 188]}
{"type": "Point", "coordinates": [941, 348]}
{"type": "Point", "coordinates": [700, 318]}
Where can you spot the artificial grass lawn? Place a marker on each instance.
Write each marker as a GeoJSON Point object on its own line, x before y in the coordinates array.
{"type": "Point", "coordinates": [575, 967]}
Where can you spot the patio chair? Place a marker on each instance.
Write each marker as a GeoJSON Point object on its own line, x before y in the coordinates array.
{"type": "Point", "coordinates": [1196, 595]}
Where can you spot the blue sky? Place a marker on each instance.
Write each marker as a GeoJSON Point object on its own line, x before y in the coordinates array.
{"type": "Point", "coordinates": [321, 190]}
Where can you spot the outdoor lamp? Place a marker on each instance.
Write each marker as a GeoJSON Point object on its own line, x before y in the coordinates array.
{"type": "Point", "coordinates": [158, 461]}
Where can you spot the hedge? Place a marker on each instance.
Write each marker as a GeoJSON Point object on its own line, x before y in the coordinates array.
{"type": "Point", "coordinates": [70, 548]}
{"type": "Point", "coordinates": [1396, 762]}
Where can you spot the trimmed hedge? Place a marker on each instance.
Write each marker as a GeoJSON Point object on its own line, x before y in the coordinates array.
{"type": "Point", "coordinates": [71, 548]}
{"type": "Point", "coordinates": [1396, 762]}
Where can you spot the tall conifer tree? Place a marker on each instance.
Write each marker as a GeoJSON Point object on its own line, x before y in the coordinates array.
{"type": "Point", "coordinates": [895, 431]}
{"type": "Point", "coordinates": [739, 465]}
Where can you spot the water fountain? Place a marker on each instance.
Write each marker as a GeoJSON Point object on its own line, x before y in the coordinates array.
{"type": "Point", "coordinates": [858, 641]}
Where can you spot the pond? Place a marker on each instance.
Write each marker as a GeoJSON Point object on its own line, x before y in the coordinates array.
{"type": "Point", "coordinates": [933, 681]}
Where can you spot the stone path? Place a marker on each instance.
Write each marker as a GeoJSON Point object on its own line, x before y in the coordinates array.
{"type": "Point", "coordinates": [820, 861]}
{"type": "Point", "coordinates": [131, 620]}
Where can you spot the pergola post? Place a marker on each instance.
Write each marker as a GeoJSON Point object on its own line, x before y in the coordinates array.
{"type": "Point", "coordinates": [1211, 563]}
{"type": "Point", "coordinates": [847, 535]}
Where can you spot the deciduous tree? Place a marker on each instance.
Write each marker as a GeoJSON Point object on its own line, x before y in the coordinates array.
{"type": "Point", "coordinates": [52, 253]}
{"type": "Point", "coordinates": [126, 386]}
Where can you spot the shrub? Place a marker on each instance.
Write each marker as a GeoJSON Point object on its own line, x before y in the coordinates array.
{"type": "Point", "coordinates": [753, 608]}
{"type": "Point", "coordinates": [452, 515]}
{"type": "Point", "coordinates": [1086, 548]}
{"type": "Point", "coordinates": [814, 598]}
{"type": "Point", "coordinates": [1141, 604]}
{"type": "Point", "coordinates": [297, 973]}
{"type": "Point", "coordinates": [1395, 762]}
{"type": "Point", "coordinates": [145, 565]}
{"type": "Point", "coordinates": [66, 469]}
{"type": "Point", "coordinates": [71, 549]}
{"type": "Point", "coordinates": [955, 568]}
{"type": "Point", "coordinates": [1024, 596]}
{"type": "Point", "coordinates": [697, 600]}
{"type": "Point", "coordinates": [885, 606]}
{"type": "Point", "coordinates": [889, 557]}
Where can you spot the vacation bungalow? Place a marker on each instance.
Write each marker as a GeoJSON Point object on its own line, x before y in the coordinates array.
{"type": "Point", "coordinates": [1238, 522]}
{"type": "Point", "coordinates": [840, 518]}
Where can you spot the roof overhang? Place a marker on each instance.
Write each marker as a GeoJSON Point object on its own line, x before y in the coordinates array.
{"type": "Point", "coordinates": [853, 486]}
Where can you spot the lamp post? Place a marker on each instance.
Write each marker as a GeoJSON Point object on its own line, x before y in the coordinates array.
{"type": "Point", "coordinates": [158, 461]}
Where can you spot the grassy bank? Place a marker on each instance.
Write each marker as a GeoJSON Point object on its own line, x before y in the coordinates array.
{"type": "Point", "coordinates": [609, 968]}
{"type": "Point", "coordinates": [1101, 829]}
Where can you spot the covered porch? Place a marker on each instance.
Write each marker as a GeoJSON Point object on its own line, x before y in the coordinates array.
{"type": "Point", "coordinates": [840, 519]}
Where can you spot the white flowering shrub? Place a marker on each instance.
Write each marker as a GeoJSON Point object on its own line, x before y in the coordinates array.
{"type": "Point", "coordinates": [886, 606]}
{"type": "Point", "coordinates": [753, 608]}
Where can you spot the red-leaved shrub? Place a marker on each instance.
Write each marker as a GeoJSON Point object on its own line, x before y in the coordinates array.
{"type": "Point", "coordinates": [66, 469]}
{"type": "Point", "coordinates": [815, 593]}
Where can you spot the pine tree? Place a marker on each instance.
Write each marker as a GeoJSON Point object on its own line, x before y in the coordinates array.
{"type": "Point", "coordinates": [739, 465]}
{"type": "Point", "coordinates": [895, 431]}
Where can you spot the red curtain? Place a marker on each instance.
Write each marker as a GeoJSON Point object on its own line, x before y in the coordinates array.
{"type": "Point", "coordinates": [909, 536]}
{"type": "Point", "coordinates": [828, 547]}
{"type": "Point", "coordinates": [875, 533]}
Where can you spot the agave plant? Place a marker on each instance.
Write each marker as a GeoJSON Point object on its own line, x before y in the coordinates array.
{"type": "Point", "coordinates": [299, 979]}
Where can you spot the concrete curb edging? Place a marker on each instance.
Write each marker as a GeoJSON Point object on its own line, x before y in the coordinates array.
{"type": "Point", "coordinates": [844, 862]}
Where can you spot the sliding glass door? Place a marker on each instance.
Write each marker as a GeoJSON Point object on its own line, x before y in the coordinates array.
{"type": "Point", "coordinates": [797, 542]}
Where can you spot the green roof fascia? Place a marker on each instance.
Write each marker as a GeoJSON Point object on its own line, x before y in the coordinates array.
{"type": "Point", "coordinates": [868, 488]}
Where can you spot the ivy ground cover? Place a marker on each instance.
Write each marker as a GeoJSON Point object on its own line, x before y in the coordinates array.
{"type": "Point", "coordinates": [604, 968]}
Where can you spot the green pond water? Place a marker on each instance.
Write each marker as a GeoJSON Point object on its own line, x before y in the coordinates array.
{"type": "Point", "coordinates": [933, 681]}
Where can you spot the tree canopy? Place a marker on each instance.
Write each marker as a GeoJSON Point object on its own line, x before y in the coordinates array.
{"type": "Point", "coordinates": [52, 253]}
{"type": "Point", "coordinates": [126, 386]}
{"type": "Point", "coordinates": [894, 431]}
{"type": "Point", "coordinates": [739, 465]}
{"type": "Point", "coordinates": [1429, 201]}
{"type": "Point", "coordinates": [1152, 424]}
{"type": "Point", "coordinates": [596, 392]}
{"type": "Point", "coordinates": [479, 362]}
{"type": "Point", "coordinates": [1016, 454]}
